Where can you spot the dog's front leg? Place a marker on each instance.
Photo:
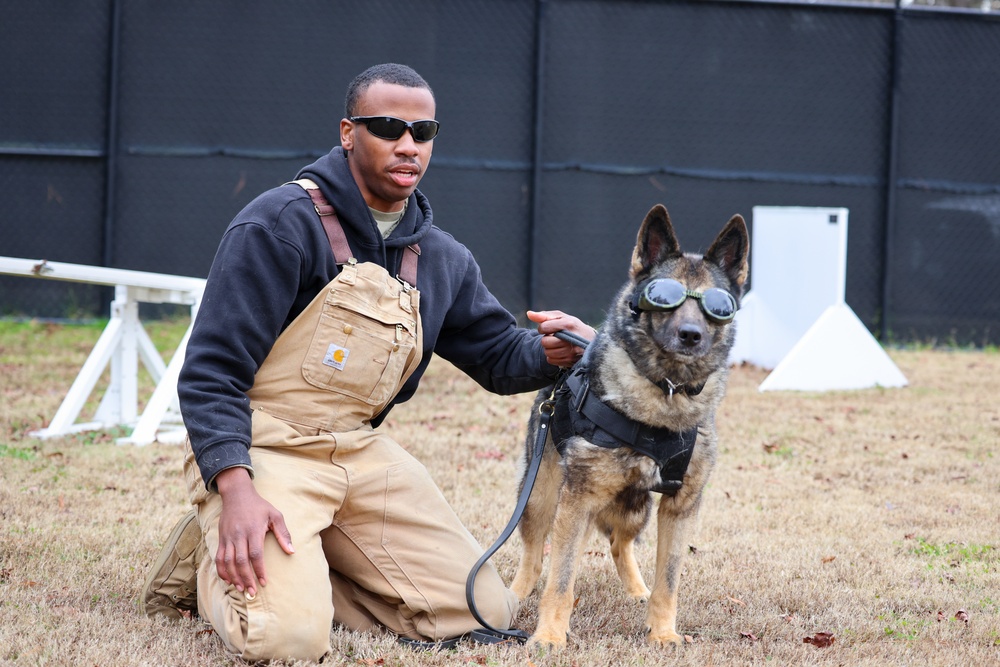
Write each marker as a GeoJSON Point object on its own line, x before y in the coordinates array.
{"type": "Point", "coordinates": [674, 525]}
{"type": "Point", "coordinates": [571, 527]}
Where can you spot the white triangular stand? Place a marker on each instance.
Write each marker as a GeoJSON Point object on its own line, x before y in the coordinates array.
{"type": "Point", "coordinates": [838, 352]}
{"type": "Point", "coordinates": [795, 320]}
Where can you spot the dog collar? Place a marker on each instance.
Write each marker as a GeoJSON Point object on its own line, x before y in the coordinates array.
{"type": "Point", "coordinates": [669, 388]}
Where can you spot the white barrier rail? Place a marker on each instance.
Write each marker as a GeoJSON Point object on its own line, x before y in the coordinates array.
{"type": "Point", "coordinates": [122, 344]}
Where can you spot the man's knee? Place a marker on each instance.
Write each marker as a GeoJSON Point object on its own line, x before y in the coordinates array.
{"type": "Point", "coordinates": [290, 641]}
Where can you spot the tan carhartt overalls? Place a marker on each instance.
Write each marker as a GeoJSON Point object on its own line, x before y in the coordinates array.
{"type": "Point", "coordinates": [376, 543]}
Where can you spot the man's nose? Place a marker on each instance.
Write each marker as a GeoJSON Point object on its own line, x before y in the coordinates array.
{"type": "Point", "coordinates": [406, 144]}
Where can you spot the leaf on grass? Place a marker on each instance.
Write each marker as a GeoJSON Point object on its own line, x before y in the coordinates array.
{"type": "Point", "coordinates": [829, 559]}
{"type": "Point", "coordinates": [748, 635]}
{"type": "Point", "coordinates": [494, 454]}
{"type": "Point", "coordinates": [688, 639]}
{"type": "Point", "coordinates": [820, 640]}
{"type": "Point", "coordinates": [770, 447]}
{"type": "Point", "coordinates": [962, 615]}
{"type": "Point", "coordinates": [940, 616]}
{"type": "Point", "coordinates": [371, 661]}
{"type": "Point", "coordinates": [478, 659]}
{"type": "Point", "coordinates": [739, 602]}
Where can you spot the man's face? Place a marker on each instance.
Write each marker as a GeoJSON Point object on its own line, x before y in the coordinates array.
{"type": "Point", "coordinates": [387, 171]}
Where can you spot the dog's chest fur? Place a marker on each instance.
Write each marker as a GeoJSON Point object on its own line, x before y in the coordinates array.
{"type": "Point", "coordinates": [616, 381]}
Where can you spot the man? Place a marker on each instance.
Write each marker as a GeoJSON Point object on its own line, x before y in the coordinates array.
{"type": "Point", "coordinates": [322, 308]}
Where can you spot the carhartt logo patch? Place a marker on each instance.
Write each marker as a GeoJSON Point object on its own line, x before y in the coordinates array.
{"type": "Point", "coordinates": [336, 356]}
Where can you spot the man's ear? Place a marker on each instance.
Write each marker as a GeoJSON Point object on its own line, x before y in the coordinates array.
{"type": "Point", "coordinates": [347, 134]}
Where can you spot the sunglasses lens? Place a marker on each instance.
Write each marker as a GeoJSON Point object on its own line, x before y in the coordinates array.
{"type": "Point", "coordinates": [719, 304]}
{"type": "Point", "coordinates": [665, 293]}
{"type": "Point", "coordinates": [424, 130]}
{"type": "Point", "coordinates": [386, 127]}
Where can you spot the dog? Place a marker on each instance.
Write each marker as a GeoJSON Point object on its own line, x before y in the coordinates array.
{"type": "Point", "coordinates": [635, 416]}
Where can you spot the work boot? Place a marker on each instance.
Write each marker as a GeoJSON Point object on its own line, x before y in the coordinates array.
{"type": "Point", "coordinates": [171, 588]}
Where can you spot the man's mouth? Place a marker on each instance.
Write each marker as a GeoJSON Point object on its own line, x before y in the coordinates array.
{"type": "Point", "coordinates": [405, 177]}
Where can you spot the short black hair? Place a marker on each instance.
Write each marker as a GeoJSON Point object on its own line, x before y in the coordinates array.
{"type": "Point", "coordinates": [394, 73]}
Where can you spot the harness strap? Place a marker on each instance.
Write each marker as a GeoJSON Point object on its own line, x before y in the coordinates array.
{"type": "Point", "coordinates": [581, 412]}
{"type": "Point", "coordinates": [338, 240]}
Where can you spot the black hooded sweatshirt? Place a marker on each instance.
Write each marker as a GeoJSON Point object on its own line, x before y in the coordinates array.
{"type": "Point", "coordinates": [274, 258]}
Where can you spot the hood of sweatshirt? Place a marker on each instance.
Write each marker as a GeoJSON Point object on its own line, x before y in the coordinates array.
{"type": "Point", "coordinates": [333, 176]}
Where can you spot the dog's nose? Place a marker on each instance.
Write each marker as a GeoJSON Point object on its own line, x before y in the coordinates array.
{"type": "Point", "coordinates": [689, 334]}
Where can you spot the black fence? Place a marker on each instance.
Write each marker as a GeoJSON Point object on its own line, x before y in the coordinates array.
{"type": "Point", "coordinates": [132, 131]}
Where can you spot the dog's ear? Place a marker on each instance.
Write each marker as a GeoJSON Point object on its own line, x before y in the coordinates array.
{"type": "Point", "coordinates": [731, 250]}
{"type": "Point", "coordinates": [656, 241]}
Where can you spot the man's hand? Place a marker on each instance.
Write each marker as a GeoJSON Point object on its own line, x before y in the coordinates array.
{"type": "Point", "coordinates": [558, 352]}
{"type": "Point", "coordinates": [245, 521]}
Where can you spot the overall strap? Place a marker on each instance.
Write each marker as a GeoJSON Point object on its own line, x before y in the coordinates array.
{"type": "Point", "coordinates": [338, 240]}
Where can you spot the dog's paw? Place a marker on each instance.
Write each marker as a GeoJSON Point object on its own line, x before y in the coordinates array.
{"type": "Point", "coordinates": [521, 590]}
{"type": "Point", "coordinates": [543, 639]}
{"type": "Point", "coordinates": [640, 595]}
{"type": "Point", "coordinates": [664, 638]}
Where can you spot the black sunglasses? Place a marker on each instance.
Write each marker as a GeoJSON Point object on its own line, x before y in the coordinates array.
{"type": "Point", "coordinates": [668, 294]}
{"type": "Point", "coordinates": [387, 127]}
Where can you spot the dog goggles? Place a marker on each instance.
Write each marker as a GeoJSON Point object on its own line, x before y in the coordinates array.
{"type": "Point", "coordinates": [668, 294]}
{"type": "Point", "coordinates": [387, 127]}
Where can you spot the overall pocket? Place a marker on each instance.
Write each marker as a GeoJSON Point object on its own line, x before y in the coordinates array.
{"type": "Point", "coordinates": [360, 349]}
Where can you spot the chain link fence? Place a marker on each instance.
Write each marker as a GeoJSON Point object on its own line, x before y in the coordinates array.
{"type": "Point", "coordinates": [131, 133]}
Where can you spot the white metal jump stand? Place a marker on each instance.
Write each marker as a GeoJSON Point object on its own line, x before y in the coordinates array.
{"type": "Point", "coordinates": [795, 319]}
{"type": "Point", "coordinates": [123, 344]}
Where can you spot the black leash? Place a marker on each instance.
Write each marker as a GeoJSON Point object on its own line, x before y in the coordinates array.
{"type": "Point", "coordinates": [488, 634]}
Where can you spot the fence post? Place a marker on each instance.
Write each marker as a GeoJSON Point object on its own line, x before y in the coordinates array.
{"type": "Point", "coordinates": [892, 166]}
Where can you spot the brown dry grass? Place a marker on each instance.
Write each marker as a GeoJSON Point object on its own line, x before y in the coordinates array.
{"type": "Point", "coordinates": [871, 515]}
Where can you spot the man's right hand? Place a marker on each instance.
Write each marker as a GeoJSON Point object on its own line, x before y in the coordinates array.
{"type": "Point", "coordinates": [244, 523]}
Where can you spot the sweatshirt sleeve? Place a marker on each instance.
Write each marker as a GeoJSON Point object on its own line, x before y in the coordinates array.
{"type": "Point", "coordinates": [482, 338]}
{"type": "Point", "coordinates": [250, 289]}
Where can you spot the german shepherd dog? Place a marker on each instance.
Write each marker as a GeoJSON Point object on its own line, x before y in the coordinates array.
{"type": "Point", "coordinates": [639, 418]}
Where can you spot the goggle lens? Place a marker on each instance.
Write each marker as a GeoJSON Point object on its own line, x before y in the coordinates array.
{"type": "Point", "coordinates": [388, 127]}
{"type": "Point", "coordinates": [668, 294]}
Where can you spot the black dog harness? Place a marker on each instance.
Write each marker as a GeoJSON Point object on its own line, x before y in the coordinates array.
{"type": "Point", "coordinates": [578, 411]}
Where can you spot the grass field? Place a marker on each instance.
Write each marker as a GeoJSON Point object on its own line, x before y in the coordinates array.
{"type": "Point", "coordinates": [869, 518]}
